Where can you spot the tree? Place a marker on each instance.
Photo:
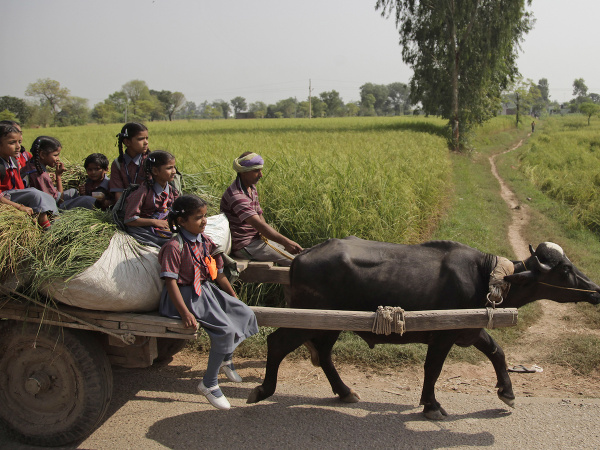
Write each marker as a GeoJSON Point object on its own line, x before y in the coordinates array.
{"type": "Point", "coordinates": [333, 102]}
{"type": "Point", "coordinates": [106, 113]}
{"type": "Point", "coordinates": [222, 106]}
{"type": "Point", "coordinates": [544, 88]}
{"type": "Point", "coordinates": [41, 114]}
{"type": "Point", "coordinates": [49, 92]}
{"type": "Point", "coordinates": [258, 109]}
{"type": "Point", "coordinates": [594, 97]}
{"type": "Point", "coordinates": [398, 98]}
{"type": "Point", "coordinates": [589, 109]}
{"type": "Point", "coordinates": [524, 94]}
{"type": "Point", "coordinates": [579, 88]}
{"type": "Point", "coordinates": [283, 108]}
{"type": "Point", "coordinates": [367, 105]}
{"type": "Point", "coordinates": [463, 54]}
{"type": "Point", "coordinates": [352, 109]}
{"type": "Point", "coordinates": [135, 92]}
{"type": "Point", "coordinates": [16, 106]}
{"type": "Point", "coordinates": [8, 115]}
{"type": "Point", "coordinates": [213, 112]}
{"type": "Point", "coordinates": [188, 111]}
{"type": "Point", "coordinates": [238, 104]}
{"type": "Point", "coordinates": [378, 103]}
{"type": "Point", "coordinates": [171, 101]}
{"type": "Point", "coordinates": [111, 110]}
{"type": "Point", "coordinates": [75, 111]}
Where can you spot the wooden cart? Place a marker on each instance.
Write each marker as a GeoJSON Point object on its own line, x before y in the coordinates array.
{"type": "Point", "coordinates": [55, 362]}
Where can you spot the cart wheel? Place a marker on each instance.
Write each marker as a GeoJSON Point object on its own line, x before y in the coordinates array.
{"type": "Point", "coordinates": [55, 383]}
{"type": "Point", "coordinates": [167, 348]}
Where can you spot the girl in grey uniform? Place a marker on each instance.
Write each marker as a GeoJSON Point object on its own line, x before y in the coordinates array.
{"type": "Point", "coordinates": [188, 266]}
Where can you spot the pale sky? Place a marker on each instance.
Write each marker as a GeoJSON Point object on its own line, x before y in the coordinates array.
{"type": "Point", "coordinates": [263, 50]}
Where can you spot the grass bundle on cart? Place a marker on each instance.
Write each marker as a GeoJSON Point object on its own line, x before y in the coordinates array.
{"type": "Point", "coordinates": [83, 260]}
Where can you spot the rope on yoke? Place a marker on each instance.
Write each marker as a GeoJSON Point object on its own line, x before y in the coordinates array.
{"type": "Point", "coordinates": [490, 312]}
{"type": "Point", "coordinates": [266, 241]}
{"type": "Point", "coordinates": [498, 287]}
{"type": "Point", "coordinates": [389, 319]}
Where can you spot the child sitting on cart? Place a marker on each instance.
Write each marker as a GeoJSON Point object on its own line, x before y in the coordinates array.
{"type": "Point", "coordinates": [188, 269]}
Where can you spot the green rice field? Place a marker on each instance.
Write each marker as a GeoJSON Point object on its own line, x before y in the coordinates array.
{"type": "Point", "coordinates": [564, 163]}
{"type": "Point", "coordinates": [377, 178]}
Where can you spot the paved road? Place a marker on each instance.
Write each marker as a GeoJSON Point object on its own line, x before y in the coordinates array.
{"type": "Point", "coordinates": [158, 408]}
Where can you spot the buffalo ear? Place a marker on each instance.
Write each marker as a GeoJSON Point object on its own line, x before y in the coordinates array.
{"type": "Point", "coordinates": [520, 278]}
{"type": "Point", "coordinates": [531, 250]}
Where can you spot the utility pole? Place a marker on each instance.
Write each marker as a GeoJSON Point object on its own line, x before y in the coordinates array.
{"type": "Point", "coordinates": [309, 99]}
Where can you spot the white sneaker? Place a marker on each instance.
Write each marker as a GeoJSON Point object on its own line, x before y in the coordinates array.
{"type": "Point", "coordinates": [218, 402]}
{"type": "Point", "coordinates": [231, 374]}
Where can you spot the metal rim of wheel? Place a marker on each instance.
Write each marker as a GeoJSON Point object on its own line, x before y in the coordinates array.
{"type": "Point", "coordinates": [55, 383]}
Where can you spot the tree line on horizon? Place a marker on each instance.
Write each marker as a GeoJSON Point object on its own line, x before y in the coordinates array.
{"type": "Point", "coordinates": [54, 106]}
{"type": "Point", "coordinates": [136, 102]}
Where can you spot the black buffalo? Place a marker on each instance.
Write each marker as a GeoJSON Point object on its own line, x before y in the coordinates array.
{"type": "Point", "coordinates": [357, 275]}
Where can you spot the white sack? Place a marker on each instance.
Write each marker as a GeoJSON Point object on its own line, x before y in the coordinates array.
{"type": "Point", "coordinates": [126, 278]}
{"type": "Point", "coordinates": [217, 229]}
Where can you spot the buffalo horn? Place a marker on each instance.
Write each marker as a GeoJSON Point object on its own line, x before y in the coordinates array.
{"type": "Point", "coordinates": [544, 268]}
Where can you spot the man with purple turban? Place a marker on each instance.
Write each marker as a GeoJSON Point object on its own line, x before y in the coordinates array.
{"type": "Point", "coordinates": [252, 237]}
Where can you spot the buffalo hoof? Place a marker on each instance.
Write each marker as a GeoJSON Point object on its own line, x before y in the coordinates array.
{"type": "Point", "coordinates": [352, 397]}
{"type": "Point", "coordinates": [257, 394]}
{"type": "Point", "coordinates": [435, 414]}
{"type": "Point", "coordinates": [509, 400]}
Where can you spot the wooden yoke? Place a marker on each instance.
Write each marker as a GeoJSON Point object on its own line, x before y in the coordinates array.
{"type": "Point", "coordinates": [262, 272]}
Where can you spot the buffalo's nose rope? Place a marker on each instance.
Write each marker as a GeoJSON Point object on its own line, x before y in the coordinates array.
{"type": "Point", "coordinates": [389, 319]}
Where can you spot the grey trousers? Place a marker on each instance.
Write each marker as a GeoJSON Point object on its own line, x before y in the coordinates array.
{"type": "Point", "coordinates": [258, 250]}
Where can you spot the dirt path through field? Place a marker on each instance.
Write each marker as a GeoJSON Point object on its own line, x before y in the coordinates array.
{"type": "Point", "coordinates": [519, 211]}
{"type": "Point", "coordinates": [540, 338]}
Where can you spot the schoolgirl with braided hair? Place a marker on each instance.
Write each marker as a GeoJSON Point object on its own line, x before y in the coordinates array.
{"type": "Point", "coordinates": [128, 167]}
{"type": "Point", "coordinates": [187, 266]}
{"type": "Point", "coordinates": [45, 152]}
{"type": "Point", "coordinates": [24, 156]}
{"type": "Point", "coordinates": [12, 190]}
{"type": "Point", "coordinates": [147, 207]}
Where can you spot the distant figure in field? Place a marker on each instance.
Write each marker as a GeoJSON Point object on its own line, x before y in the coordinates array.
{"type": "Point", "coordinates": [533, 126]}
{"type": "Point", "coordinates": [252, 237]}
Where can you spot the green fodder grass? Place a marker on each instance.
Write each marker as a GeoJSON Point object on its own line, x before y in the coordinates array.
{"type": "Point", "coordinates": [75, 241]}
{"type": "Point", "coordinates": [19, 236]}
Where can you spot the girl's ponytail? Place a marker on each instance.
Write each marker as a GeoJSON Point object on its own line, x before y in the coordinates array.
{"type": "Point", "coordinates": [183, 207]}
{"type": "Point", "coordinates": [172, 220]}
{"type": "Point", "coordinates": [156, 159]}
{"type": "Point", "coordinates": [43, 144]}
{"type": "Point", "coordinates": [129, 131]}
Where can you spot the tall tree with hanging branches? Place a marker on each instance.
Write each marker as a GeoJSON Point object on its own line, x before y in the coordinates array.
{"type": "Point", "coordinates": [463, 54]}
